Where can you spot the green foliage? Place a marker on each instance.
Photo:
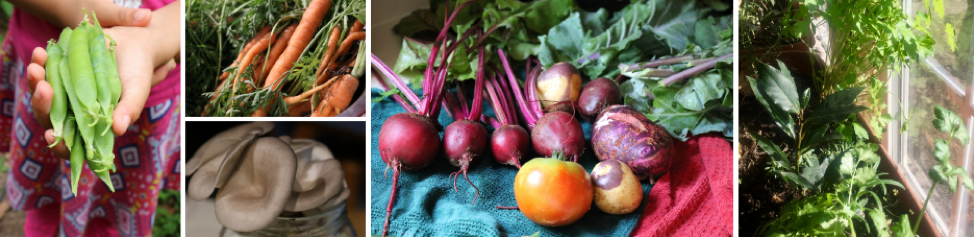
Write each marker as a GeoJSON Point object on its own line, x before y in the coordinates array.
{"type": "Point", "coordinates": [837, 199]}
{"type": "Point", "coordinates": [166, 223]}
{"type": "Point", "coordinates": [948, 122]}
{"type": "Point", "coordinates": [834, 210]}
{"type": "Point", "coordinates": [516, 29]}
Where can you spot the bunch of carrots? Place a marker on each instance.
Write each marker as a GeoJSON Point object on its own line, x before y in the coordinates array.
{"type": "Point", "coordinates": [275, 53]}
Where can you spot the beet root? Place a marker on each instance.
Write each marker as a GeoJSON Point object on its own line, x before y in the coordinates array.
{"type": "Point", "coordinates": [464, 143]}
{"type": "Point", "coordinates": [597, 95]}
{"type": "Point", "coordinates": [558, 132]}
{"type": "Point", "coordinates": [407, 141]}
{"type": "Point", "coordinates": [622, 133]}
{"type": "Point", "coordinates": [510, 143]}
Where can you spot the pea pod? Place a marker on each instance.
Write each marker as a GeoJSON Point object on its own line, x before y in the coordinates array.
{"type": "Point", "coordinates": [59, 105]}
{"type": "Point", "coordinates": [70, 126]}
{"type": "Point", "coordinates": [77, 162]}
{"type": "Point", "coordinates": [100, 68]}
{"type": "Point", "coordinates": [63, 40]}
{"type": "Point", "coordinates": [113, 80]}
{"type": "Point", "coordinates": [104, 145]}
{"type": "Point", "coordinates": [82, 73]}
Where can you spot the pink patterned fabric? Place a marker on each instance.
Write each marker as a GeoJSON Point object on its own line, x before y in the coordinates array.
{"type": "Point", "coordinates": [147, 155]}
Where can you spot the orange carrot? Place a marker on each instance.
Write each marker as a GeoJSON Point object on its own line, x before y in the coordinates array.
{"type": "Point", "coordinates": [259, 62]}
{"type": "Point", "coordinates": [346, 44]}
{"type": "Point", "coordinates": [306, 94]}
{"type": "Point", "coordinates": [260, 34]}
{"type": "Point", "coordinates": [332, 43]}
{"type": "Point", "coordinates": [299, 109]}
{"type": "Point", "coordinates": [257, 49]}
{"type": "Point", "coordinates": [337, 97]}
{"type": "Point", "coordinates": [357, 26]}
{"type": "Point", "coordinates": [302, 36]}
{"type": "Point", "coordinates": [276, 51]}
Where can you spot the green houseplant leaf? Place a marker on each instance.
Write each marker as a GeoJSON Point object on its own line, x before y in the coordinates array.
{"type": "Point", "coordinates": [836, 107]}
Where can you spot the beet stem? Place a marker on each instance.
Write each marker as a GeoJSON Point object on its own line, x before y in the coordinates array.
{"type": "Point", "coordinates": [395, 80]}
{"type": "Point", "coordinates": [508, 208]}
{"type": "Point", "coordinates": [694, 70]}
{"type": "Point", "coordinates": [478, 99]}
{"type": "Point", "coordinates": [463, 103]}
{"type": "Point", "coordinates": [529, 117]}
{"type": "Point", "coordinates": [396, 97]}
{"type": "Point", "coordinates": [494, 103]}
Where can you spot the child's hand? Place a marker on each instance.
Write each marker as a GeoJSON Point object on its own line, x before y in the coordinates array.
{"type": "Point", "coordinates": [136, 75]}
{"type": "Point", "coordinates": [64, 13]}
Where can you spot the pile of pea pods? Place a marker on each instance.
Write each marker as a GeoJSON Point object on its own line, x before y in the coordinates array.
{"type": "Point", "coordinates": [82, 72]}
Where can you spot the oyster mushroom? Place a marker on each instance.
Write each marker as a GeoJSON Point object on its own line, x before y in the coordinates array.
{"type": "Point", "coordinates": [257, 191]}
{"type": "Point", "coordinates": [215, 160]}
{"type": "Point", "coordinates": [319, 177]}
{"type": "Point", "coordinates": [218, 145]}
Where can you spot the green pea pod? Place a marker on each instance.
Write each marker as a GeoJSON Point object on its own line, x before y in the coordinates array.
{"type": "Point", "coordinates": [79, 59]}
{"type": "Point", "coordinates": [59, 105]}
{"type": "Point", "coordinates": [104, 176]}
{"type": "Point", "coordinates": [77, 162]}
{"type": "Point", "coordinates": [113, 80]}
{"type": "Point", "coordinates": [105, 143]}
{"type": "Point", "coordinates": [63, 40]}
{"type": "Point", "coordinates": [70, 126]}
{"type": "Point", "coordinates": [81, 119]}
{"type": "Point", "coordinates": [100, 68]}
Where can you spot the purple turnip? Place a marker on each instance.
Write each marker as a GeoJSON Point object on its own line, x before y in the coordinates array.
{"type": "Point", "coordinates": [622, 133]}
{"type": "Point", "coordinates": [596, 96]}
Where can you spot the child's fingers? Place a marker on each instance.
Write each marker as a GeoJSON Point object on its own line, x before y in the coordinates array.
{"type": "Point", "coordinates": [114, 15]}
{"type": "Point", "coordinates": [162, 71]}
{"type": "Point", "coordinates": [40, 102]}
{"type": "Point", "coordinates": [60, 150]}
{"type": "Point", "coordinates": [35, 74]}
{"type": "Point", "coordinates": [39, 56]}
{"type": "Point", "coordinates": [135, 91]}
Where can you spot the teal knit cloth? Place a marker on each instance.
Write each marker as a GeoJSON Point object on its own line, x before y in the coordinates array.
{"type": "Point", "coordinates": [426, 204]}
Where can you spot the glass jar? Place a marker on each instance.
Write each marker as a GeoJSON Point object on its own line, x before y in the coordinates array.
{"type": "Point", "coordinates": [332, 222]}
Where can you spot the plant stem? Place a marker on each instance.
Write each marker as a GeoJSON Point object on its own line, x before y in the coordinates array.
{"type": "Point", "coordinates": [923, 211]}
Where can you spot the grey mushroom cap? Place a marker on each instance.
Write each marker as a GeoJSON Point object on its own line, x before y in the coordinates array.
{"type": "Point", "coordinates": [215, 160]}
{"type": "Point", "coordinates": [217, 146]}
{"type": "Point", "coordinates": [322, 182]}
{"type": "Point", "coordinates": [319, 177]}
{"type": "Point", "coordinates": [259, 188]}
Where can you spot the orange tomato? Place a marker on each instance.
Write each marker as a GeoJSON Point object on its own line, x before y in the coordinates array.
{"type": "Point", "coordinates": [553, 192]}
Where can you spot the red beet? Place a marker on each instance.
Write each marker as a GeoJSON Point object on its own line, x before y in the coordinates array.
{"type": "Point", "coordinates": [558, 132]}
{"type": "Point", "coordinates": [622, 133]}
{"type": "Point", "coordinates": [464, 143]}
{"type": "Point", "coordinates": [407, 141]}
{"type": "Point", "coordinates": [596, 96]}
{"type": "Point", "coordinates": [510, 143]}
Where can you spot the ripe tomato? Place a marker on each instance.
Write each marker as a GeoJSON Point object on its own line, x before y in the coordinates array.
{"type": "Point", "coordinates": [552, 192]}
